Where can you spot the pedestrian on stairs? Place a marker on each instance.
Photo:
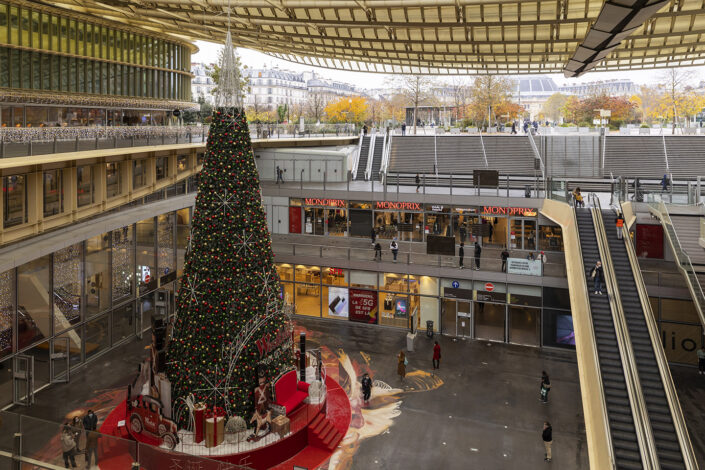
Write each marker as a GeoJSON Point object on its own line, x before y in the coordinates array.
{"type": "Point", "coordinates": [418, 182]}
{"type": "Point", "coordinates": [619, 222]}
{"type": "Point", "coordinates": [378, 252]}
{"type": "Point", "coordinates": [597, 275]}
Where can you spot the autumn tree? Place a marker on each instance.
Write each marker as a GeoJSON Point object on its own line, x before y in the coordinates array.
{"type": "Point", "coordinates": [393, 108]}
{"type": "Point", "coordinates": [674, 101]}
{"type": "Point", "coordinates": [646, 103]}
{"type": "Point", "coordinates": [488, 94]}
{"type": "Point", "coordinates": [416, 89]}
{"type": "Point", "coordinates": [347, 109]}
{"type": "Point", "coordinates": [460, 95]}
{"type": "Point", "coordinates": [552, 107]}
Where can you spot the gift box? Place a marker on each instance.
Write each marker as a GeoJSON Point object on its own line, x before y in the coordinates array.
{"type": "Point", "coordinates": [199, 410]}
{"type": "Point", "coordinates": [280, 425]}
{"type": "Point", "coordinates": [215, 426]}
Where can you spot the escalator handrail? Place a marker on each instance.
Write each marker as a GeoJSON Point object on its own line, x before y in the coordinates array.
{"type": "Point", "coordinates": [593, 341]}
{"type": "Point", "coordinates": [665, 371]}
{"type": "Point", "coordinates": [642, 424]}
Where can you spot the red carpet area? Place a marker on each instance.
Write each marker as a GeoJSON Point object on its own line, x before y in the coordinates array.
{"type": "Point", "coordinates": [308, 447]}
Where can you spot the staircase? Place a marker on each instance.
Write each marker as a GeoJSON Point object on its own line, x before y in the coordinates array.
{"type": "Point", "coordinates": [619, 411]}
{"type": "Point", "coordinates": [362, 158]}
{"type": "Point", "coordinates": [657, 406]}
{"type": "Point", "coordinates": [686, 157]}
{"type": "Point", "coordinates": [635, 156]}
{"type": "Point", "coordinates": [377, 155]}
{"type": "Point", "coordinates": [322, 433]}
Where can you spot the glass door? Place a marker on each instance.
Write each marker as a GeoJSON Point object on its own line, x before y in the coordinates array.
{"type": "Point", "coordinates": [464, 319]}
{"type": "Point", "coordinates": [449, 317]}
{"type": "Point", "coordinates": [23, 380]}
{"type": "Point", "coordinates": [524, 325]}
{"type": "Point", "coordinates": [490, 321]}
{"type": "Point", "coordinates": [59, 357]}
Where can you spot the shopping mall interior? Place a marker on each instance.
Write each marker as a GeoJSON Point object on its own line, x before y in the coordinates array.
{"type": "Point", "coordinates": [437, 288]}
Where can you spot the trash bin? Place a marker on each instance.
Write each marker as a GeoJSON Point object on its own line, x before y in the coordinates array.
{"type": "Point", "coordinates": [410, 337]}
{"type": "Point", "coordinates": [429, 328]}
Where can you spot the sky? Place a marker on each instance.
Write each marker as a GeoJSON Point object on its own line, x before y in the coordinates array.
{"type": "Point", "coordinates": [208, 53]}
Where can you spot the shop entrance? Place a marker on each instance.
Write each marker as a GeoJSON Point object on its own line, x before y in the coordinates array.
{"type": "Point", "coordinates": [23, 380]}
{"type": "Point", "coordinates": [457, 318]}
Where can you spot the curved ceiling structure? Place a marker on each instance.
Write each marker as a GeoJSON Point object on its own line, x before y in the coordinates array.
{"type": "Point", "coordinates": [434, 36]}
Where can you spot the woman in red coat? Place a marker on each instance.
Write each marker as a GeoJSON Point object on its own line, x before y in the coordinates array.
{"type": "Point", "coordinates": [436, 355]}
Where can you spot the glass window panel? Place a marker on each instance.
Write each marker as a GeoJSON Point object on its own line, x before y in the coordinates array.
{"type": "Point", "coordinates": [139, 173]}
{"type": "Point", "coordinates": [308, 300]}
{"type": "Point", "coordinates": [33, 308]}
{"type": "Point", "coordinates": [123, 322]}
{"type": "Point", "coordinates": [550, 238]}
{"type": "Point", "coordinates": [394, 309]}
{"type": "Point", "coordinates": [64, 30]}
{"type": "Point", "coordinates": [53, 192]}
{"type": "Point", "coordinates": [36, 116]}
{"type": "Point", "coordinates": [4, 73]}
{"type": "Point", "coordinates": [489, 321]}
{"type": "Point", "coordinates": [97, 335]}
{"type": "Point", "coordinates": [81, 81]}
{"type": "Point", "coordinates": [310, 274]}
{"type": "Point", "coordinates": [97, 274]}
{"type": "Point", "coordinates": [14, 200]}
{"type": "Point", "coordinates": [25, 28]}
{"type": "Point", "coordinates": [123, 262]}
{"type": "Point", "coordinates": [81, 37]}
{"type": "Point", "coordinates": [285, 271]}
{"type": "Point", "coordinates": [26, 80]}
{"type": "Point", "coordinates": [72, 74]}
{"type": "Point", "coordinates": [366, 279]}
{"type": "Point", "coordinates": [14, 25]}
{"type": "Point", "coordinates": [162, 167]}
{"type": "Point", "coordinates": [112, 181]}
{"type": "Point", "coordinates": [84, 185]}
{"type": "Point", "coordinates": [335, 276]}
{"type": "Point", "coordinates": [183, 227]}
{"type": "Point", "coordinates": [64, 61]}
{"type": "Point", "coordinates": [36, 25]}
{"type": "Point", "coordinates": [68, 276]}
{"type": "Point", "coordinates": [681, 341]}
{"type": "Point", "coordinates": [165, 244]}
{"type": "Point", "coordinates": [145, 253]}
{"type": "Point", "coordinates": [524, 325]}
{"type": "Point", "coordinates": [3, 23]}
{"type": "Point", "coordinates": [181, 163]}
{"type": "Point", "coordinates": [72, 37]}
{"type": "Point", "coordinates": [46, 31]}
{"type": "Point", "coordinates": [7, 311]}
{"type": "Point", "coordinates": [36, 73]}
{"type": "Point", "coordinates": [46, 72]}
{"type": "Point", "coordinates": [74, 337]}
{"type": "Point", "coordinates": [54, 33]}
{"type": "Point", "coordinates": [393, 282]}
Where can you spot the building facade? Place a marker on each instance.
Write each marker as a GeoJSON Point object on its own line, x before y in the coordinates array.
{"type": "Point", "coordinates": [269, 88]}
{"type": "Point", "coordinates": [64, 69]}
{"type": "Point", "coordinates": [616, 87]}
{"type": "Point", "coordinates": [202, 84]}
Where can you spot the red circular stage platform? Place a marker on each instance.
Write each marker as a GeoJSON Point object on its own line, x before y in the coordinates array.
{"type": "Point", "coordinates": [315, 432]}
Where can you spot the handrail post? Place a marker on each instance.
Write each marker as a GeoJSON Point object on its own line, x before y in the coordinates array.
{"type": "Point", "coordinates": [424, 183]}
{"type": "Point", "coordinates": [451, 183]}
{"type": "Point", "coordinates": [301, 180]}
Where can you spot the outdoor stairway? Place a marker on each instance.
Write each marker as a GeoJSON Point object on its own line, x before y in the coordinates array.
{"type": "Point", "coordinates": [362, 158]}
{"type": "Point", "coordinates": [509, 154]}
{"type": "Point", "coordinates": [377, 155]}
{"type": "Point", "coordinates": [459, 155]}
{"type": "Point", "coordinates": [657, 407]}
{"type": "Point", "coordinates": [687, 229]}
{"type": "Point", "coordinates": [619, 412]}
{"type": "Point", "coordinates": [635, 156]}
{"type": "Point", "coordinates": [686, 156]}
{"type": "Point", "coordinates": [412, 154]}
{"type": "Point", "coordinates": [322, 433]}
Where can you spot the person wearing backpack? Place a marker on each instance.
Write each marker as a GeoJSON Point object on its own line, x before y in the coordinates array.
{"type": "Point", "coordinates": [545, 386]}
{"type": "Point", "coordinates": [68, 447]}
{"type": "Point", "coordinates": [597, 275]}
{"type": "Point", "coordinates": [394, 247]}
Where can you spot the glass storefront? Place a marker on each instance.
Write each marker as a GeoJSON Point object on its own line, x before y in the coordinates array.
{"type": "Point", "coordinates": [680, 328]}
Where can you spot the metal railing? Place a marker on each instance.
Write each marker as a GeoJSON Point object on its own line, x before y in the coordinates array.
{"type": "Point", "coordinates": [679, 423]}
{"type": "Point", "coordinates": [685, 266]}
{"type": "Point", "coordinates": [647, 446]}
{"type": "Point", "coordinates": [484, 153]}
{"type": "Point", "coordinates": [537, 154]}
{"type": "Point", "coordinates": [356, 162]}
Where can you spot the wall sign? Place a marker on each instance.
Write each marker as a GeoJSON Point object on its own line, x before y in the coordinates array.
{"type": "Point", "coordinates": [407, 206]}
{"type": "Point", "coordinates": [489, 287]}
{"type": "Point", "coordinates": [455, 284]}
{"type": "Point", "coordinates": [524, 266]}
{"type": "Point", "coordinates": [363, 305]}
{"type": "Point", "coordinates": [311, 201]}
{"type": "Point", "coordinates": [517, 211]}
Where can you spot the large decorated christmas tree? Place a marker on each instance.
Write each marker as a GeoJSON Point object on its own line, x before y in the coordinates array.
{"type": "Point", "coordinates": [230, 323]}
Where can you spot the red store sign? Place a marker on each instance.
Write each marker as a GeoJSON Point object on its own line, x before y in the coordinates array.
{"type": "Point", "coordinates": [312, 201]}
{"type": "Point", "coordinates": [499, 210]}
{"type": "Point", "coordinates": [399, 206]}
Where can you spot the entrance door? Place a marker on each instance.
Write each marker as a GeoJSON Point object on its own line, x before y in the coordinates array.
{"type": "Point", "coordinates": [59, 357]}
{"type": "Point", "coordinates": [449, 317]}
{"type": "Point", "coordinates": [464, 321]}
{"type": "Point", "coordinates": [23, 380]}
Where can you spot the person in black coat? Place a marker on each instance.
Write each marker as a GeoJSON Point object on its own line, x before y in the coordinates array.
{"type": "Point", "coordinates": [597, 275]}
{"type": "Point", "coordinates": [478, 252]}
{"type": "Point", "coordinates": [505, 256]}
{"type": "Point", "coordinates": [366, 388]}
{"type": "Point", "coordinates": [461, 255]}
{"type": "Point", "coordinates": [547, 436]}
{"type": "Point", "coordinates": [90, 421]}
{"type": "Point", "coordinates": [373, 235]}
{"type": "Point", "coordinates": [378, 252]}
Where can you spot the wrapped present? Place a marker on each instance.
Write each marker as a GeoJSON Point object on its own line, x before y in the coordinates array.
{"type": "Point", "coordinates": [280, 425]}
{"type": "Point", "coordinates": [199, 410]}
{"type": "Point", "coordinates": [215, 426]}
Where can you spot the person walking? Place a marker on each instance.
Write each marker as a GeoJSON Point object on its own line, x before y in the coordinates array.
{"type": "Point", "coordinates": [373, 235]}
{"type": "Point", "coordinates": [418, 182]}
{"type": "Point", "coordinates": [92, 448]}
{"type": "Point", "coordinates": [68, 447]}
{"type": "Point", "coordinates": [664, 183]}
{"type": "Point", "coordinates": [403, 128]}
{"type": "Point", "coordinates": [364, 129]}
{"type": "Point", "coordinates": [436, 356]}
{"type": "Point", "coordinates": [378, 252]}
{"type": "Point", "coordinates": [394, 247]}
{"type": "Point", "coordinates": [366, 387]}
{"type": "Point", "coordinates": [619, 222]}
{"type": "Point", "coordinates": [545, 386]}
{"type": "Point", "coordinates": [547, 436]}
{"type": "Point", "coordinates": [401, 365]}
{"type": "Point", "coordinates": [505, 256]}
{"type": "Point", "coordinates": [597, 275]}
{"type": "Point", "coordinates": [514, 127]}
{"type": "Point", "coordinates": [461, 255]}
{"type": "Point", "coordinates": [279, 175]}
{"type": "Point", "coordinates": [701, 360]}
{"type": "Point", "coordinates": [478, 252]}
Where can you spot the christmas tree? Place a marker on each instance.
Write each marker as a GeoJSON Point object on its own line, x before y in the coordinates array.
{"type": "Point", "coordinates": [230, 322]}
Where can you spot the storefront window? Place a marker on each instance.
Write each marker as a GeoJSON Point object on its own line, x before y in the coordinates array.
{"type": "Point", "coordinates": [558, 330]}
{"type": "Point", "coordinates": [523, 234]}
{"type": "Point", "coordinates": [7, 312]}
{"type": "Point", "coordinates": [145, 255]}
{"type": "Point", "coordinates": [394, 305]}
{"type": "Point", "coordinates": [286, 272]}
{"type": "Point", "coordinates": [493, 230]}
{"type": "Point", "coordinates": [335, 276]}
{"type": "Point", "coordinates": [112, 179]}
{"type": "Point", "coordinates": [181, 163]}
{"type": "Point", "coordinates": [36, 116]}
{"type": "Point", "coordinates": [33, 306]}
{"type": "Point", "coordinates": [387, 224]}
{"type": "Point", "coordinates": [427, 302]}
{"type": "Point", "coordinates": [165, 245]}
{"type": "Point", "coordinates": [162, 168]}
{"type": "Point", "coordinates": [490, 310]}
{"type": "Point", "coordinates": [310, 274]}
{"type": "Point", "coordinates": [364, 279]}
{"type": "Point", "coordinates": [336, 302]}
{"type": "Point", "coordinates": [393, 282]}
{"type": "Point", "coordinates": [75, 347]}
{"type": "Point", "coordinates": [123, 262]}
{"type": "Point", "coordinates": [550, 238]}
{"type": "Point", "coordinates": [438, 221]}
{"type": "Point", "coordinates": [139, 173]}
{"type": "Point", "coordinates": [97, 274]}
{"type": "Point", "coordinates": [68, 276]}
{"type": "Point", "coordinates": [183, 227]}
{"type": "Point", "coordinates": [97, 335]}
{"type": "Point", "coordinates": [308, 299]}
{"type": "Point", "coordinates": [14, 200]}
{"type": "Point", "coordinates": [464, 218]}
{"type": "Point", "coordinates": [84, 185]}
{"type": "Point", "coordinates": [360, 216]}
{"type": "Point", "coordinates": [524, 325]}
{"type": "Point", "coordinates": [123, 322]}
{"type": "Point", "coordinates": [288, 292]}
{"type": "Point", "coordinates": [53, 193]}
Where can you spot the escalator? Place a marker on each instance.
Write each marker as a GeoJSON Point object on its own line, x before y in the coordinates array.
{"type": "Point", "coordinates": [668, 449]}
{"type": "Point", "coordinates": [377, 158]}
{"type": "Point", "coordinates": [619, 411]}
{"type": "Point", "coordinates": [362, 158]}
